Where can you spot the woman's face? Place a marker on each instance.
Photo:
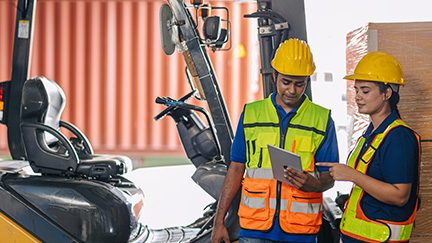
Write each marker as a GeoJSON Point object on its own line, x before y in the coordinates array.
{"type": "Point", "coordinates": [369, 99]}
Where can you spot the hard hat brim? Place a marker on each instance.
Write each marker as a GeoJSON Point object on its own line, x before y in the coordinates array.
{"type": "Point", "coordinates": [367, 77]}
{"type": "Point", "coordinates": [350, 77]}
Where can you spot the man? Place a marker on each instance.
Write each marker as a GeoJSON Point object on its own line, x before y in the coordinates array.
{"type": "Point", "coordinates": [272, 211]}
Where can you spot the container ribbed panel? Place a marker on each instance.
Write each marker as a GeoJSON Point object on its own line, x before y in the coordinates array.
{"type": "Point", "coordinates": [107, 57]}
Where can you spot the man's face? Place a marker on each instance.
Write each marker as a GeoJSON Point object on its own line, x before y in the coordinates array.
{"type": "Point", "coordinates": [290, 89]}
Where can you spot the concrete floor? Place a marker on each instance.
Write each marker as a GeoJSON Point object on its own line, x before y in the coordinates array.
{"type": "Point", "coordinates": [173, 199]}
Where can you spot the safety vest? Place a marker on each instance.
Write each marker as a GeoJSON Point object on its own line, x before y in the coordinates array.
{"type": "Point", "coordinates": [354, 222]}
{"type": "Point", "coordinates": [264, 197]}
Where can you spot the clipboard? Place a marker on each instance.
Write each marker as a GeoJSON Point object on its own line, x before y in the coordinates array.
{"type": "Point", "coordinates": [281, 158]}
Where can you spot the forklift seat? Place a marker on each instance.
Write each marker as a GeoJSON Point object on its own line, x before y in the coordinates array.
{"type": "Point", "coordinates": [48, 150]}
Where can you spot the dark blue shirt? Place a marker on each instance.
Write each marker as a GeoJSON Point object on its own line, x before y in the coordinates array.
{"type": "Point", "coordinates": [395, 162]}
{"type": "Point", "coordinates": [328, 152]}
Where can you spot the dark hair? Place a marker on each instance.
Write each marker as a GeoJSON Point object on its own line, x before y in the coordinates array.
{"type": "Point", "coordinates": [394, 99]}
{"type": "Point", "coordinates": [276, 74]}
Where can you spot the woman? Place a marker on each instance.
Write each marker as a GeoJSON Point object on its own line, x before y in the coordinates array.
{"type": "Point", "coordinates": [384, 165]}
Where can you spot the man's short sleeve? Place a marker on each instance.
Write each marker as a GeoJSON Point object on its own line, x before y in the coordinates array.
{"type": "Point", "coordinates": [238, 147]}
{"type": "Point", "coordinates": [328, 151]}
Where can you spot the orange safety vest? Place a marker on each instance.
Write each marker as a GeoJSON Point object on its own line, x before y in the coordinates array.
{"type": "Point", "coordinates": [264, 197]}
{"type": "Point", "coordinates": [355, 223]}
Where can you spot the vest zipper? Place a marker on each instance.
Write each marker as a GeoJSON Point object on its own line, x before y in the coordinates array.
{"type": "Point", "coordinates": [281, 145]}
{"type": "Point", "coordinates": [278, 183]}
{"type": "Point", "coordinates": [248, 153]}
{"type": "Point", "coordinates": [260, 158]}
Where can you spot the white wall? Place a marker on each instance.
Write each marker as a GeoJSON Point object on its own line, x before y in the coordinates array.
{"type": "Point", "coordinates": [328, 22]}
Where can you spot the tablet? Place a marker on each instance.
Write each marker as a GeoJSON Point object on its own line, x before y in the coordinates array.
{"type": "Point", "coordinates": [280, 158]}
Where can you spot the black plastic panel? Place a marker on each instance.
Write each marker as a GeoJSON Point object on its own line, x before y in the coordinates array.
{"type": "Point", "coordinates": [91, 211]}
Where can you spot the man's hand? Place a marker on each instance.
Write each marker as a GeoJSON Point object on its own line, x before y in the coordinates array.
{"type": "Point", "coordinates": [220, 233]}
{"type": "Point", "coordinates": [230, 188]}
{"type": "Point", "coordinates": [298, 179]}
{"type": "Point", "coordinates": [308, 183]}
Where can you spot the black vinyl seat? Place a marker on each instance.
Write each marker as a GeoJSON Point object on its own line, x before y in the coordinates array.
{"type": "Point", "coordinates": [48, 150]}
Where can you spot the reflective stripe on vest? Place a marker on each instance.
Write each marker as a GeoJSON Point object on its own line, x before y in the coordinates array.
{"type": "Point", "coordinates": [297, 207]}
{"type": "Point", "coordinates": [354, 222]}
{"type": "Point", "coordinates": [259, 202]}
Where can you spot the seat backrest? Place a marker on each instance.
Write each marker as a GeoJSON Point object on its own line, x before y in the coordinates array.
{"type": "Point", "coordinates": [47, 149]}
{"type": "Point", "coordinates": [44, 102]}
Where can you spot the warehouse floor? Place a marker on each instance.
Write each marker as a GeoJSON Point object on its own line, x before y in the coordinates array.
{"type": "Point", "coordinates": [173, 199]}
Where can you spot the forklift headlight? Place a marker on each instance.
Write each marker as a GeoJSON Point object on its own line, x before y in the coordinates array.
{"type": "Point", "coordinates": [212, 28]}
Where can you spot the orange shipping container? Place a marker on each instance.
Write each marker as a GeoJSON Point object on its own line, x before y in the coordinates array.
{"type": "Point", "coordinates": [107, 57]}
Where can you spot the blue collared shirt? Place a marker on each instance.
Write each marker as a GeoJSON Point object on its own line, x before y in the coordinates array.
{"type": "Point", "coordinates": [328, 152]}
{"type": "Point", "coordinates": [395, 162]}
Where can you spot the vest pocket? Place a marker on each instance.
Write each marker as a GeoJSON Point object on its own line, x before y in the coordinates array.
{"type": "Point", "coordinates": [261, 155]}
{"type": "Point", "coordinates": [305, 148]}
{"type": "Point", "coordinates": [304, 209]}
{"type": "Point", "coordinates": [254, 200]}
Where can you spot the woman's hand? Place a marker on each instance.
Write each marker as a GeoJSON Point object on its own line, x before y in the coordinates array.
{"type": "Point", "coordinates": [393, 194]}
{"type": "Point", "coordinates": [340, 172]}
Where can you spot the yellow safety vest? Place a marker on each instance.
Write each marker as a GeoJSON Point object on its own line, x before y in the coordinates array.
{"type": "Point", "coordinates": [354, 222]}
{"type": "Point", "coordinates": [262, 196]}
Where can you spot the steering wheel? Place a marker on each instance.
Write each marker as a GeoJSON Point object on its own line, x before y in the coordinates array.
{"type": "Point", "coordinates": [165, 100]}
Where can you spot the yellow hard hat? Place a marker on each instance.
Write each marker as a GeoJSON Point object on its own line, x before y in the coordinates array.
{"type": "Point", "coordinates": [293, 57]}
{"type": "Point", "coordinates": [378, 67]}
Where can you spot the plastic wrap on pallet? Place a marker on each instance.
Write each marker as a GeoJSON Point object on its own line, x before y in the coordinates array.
{"type": "Point", "coordinates": [357, 47]}
{"type": "Point", "coordinates": [422, 230]}
{"type": "Point", "coordinates": [410, 44]}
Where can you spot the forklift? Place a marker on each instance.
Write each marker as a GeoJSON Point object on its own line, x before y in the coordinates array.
{"type": "Point", "coordinates": [55, 188]}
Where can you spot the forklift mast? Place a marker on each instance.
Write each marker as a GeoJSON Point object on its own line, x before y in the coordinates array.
{"type": "Point", "coordinates": [25, 16]}
{"type": "Point", "coordinates": [278, 20]}
{"type": "Point", "coordinates": [200, 68]}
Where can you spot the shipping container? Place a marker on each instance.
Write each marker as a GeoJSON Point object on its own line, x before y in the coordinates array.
{"type": "Point", "coordinates": [107, 57]}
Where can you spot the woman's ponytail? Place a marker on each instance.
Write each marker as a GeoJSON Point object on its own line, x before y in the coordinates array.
{"type": "Point", "coordinates": [394, 99]}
